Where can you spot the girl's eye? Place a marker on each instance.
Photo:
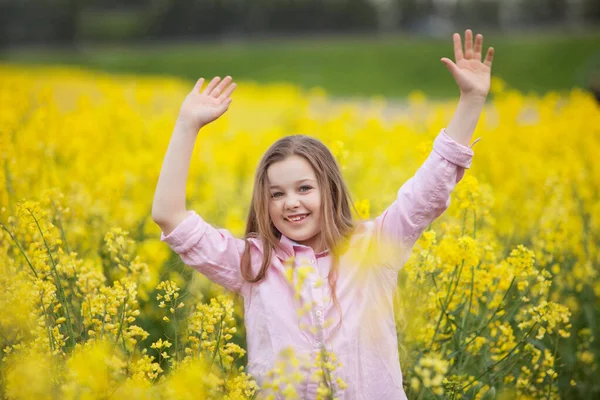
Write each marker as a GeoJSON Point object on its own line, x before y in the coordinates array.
{"type": "Point", "coordinates": [302, 189]}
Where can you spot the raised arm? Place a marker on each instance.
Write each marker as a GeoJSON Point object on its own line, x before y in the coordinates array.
{"type": "Point", "coordinates": [426, 195]}
{"type": "Point", "coordinates": [169, 208]}
{"type": "Point", "coordinates": [213, 252]}
{"type": "Point", "coordinates": [199, 108]}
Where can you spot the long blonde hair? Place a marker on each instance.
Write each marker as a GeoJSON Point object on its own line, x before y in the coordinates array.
{"type": "Point", "coordinates": [337, 222]}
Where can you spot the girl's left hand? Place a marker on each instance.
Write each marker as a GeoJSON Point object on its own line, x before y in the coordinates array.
{"type": "Point", "coordinates": [471, 75]}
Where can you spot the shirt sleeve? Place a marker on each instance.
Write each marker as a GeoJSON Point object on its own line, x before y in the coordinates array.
{"type": "Point", "coordinates": [215, 253]}
{"type": "Point", "coordinates": [426, 195]}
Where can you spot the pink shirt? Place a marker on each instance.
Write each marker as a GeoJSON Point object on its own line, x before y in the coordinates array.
{"type": "Point", "coordinates": [366, 343]}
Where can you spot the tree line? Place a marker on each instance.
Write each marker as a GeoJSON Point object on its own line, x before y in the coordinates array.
{"type": "Point", "coordinates": [68, 22]}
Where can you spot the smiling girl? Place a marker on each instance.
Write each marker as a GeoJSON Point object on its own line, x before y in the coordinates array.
{"type": "Point", "coordinates": [301, 211]}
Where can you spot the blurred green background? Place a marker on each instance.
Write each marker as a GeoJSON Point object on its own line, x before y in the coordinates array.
{"type": "Point", "coordinates": [348, 47]}
{"type": "Point", "coordinates": [389, 66]}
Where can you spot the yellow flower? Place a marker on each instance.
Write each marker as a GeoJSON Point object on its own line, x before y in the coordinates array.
{"type": "Point", "coordinates": [79, 234]}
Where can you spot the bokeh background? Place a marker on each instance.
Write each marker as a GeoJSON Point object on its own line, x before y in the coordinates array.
{"type": "Point", "coordinates": [501, 296]}
{"type": "Point", "coordinates": [385, 47]}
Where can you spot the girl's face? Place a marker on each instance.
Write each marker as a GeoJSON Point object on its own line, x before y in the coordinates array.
{"type": "Point", "coordinates": [295, 202]}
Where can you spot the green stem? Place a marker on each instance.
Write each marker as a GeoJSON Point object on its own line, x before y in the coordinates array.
{"type": "Point", "coordinates": [421, 392]}
{"type": "Point", "coordinates": [554, 357]}
{"type": "Point", "coordinates": [221, 361]}
{"type": "Point", "coordinates": [462, 325]}
{"type": "Point", "coordinates": [200, 337]}
{"type": "Point", "coordinates": [62, 231]}
{"type": "Point", "coordinates": [488, 369]}
{"type": "Point", "coordinates": [218, 342]}
{"type": "Point", "coordinates": [103, 319]}
{"type": "Point", "coordinates": [509, 368]}
{"type": "Point", "coordinates": [124, 345]}
{"type": "Point", "coordinates": [462, 264]}
{"type": "Point", "coordinates": [446, 312]}
{"type": "Point", "coordinates": [480, 329]}
{"type": "Point", "coordinates": [50, 336]}
{"type": "Point", "coordinates": [121, 322]}
{"type": "Point", "coordinates": [446, 302]}
{"type": "Point", "coordinates": [176, 327]}
{"type": "Point", "coordinates": [88, 298]}
{"type": "Point", "coordinates": [20, 248]}
{"type": "Point", "coordinates": [58, 281]}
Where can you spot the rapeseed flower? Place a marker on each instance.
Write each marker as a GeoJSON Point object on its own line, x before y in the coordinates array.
{"type": "Point", "coordinates": [490, 298]}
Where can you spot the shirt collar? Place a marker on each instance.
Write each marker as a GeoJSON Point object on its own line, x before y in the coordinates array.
{"type": "Point", "coordinates": [287, 245]}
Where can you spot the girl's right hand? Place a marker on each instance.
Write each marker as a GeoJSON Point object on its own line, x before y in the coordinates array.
{"type": "Point", "coordinates": [201, 107]}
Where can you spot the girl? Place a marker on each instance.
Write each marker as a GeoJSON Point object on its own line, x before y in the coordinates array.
{"type": "Point", "coordinates": [300, 214]}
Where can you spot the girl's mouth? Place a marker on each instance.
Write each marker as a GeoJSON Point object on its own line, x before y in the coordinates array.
{"type": "Point", "coordinates": [297, 219]}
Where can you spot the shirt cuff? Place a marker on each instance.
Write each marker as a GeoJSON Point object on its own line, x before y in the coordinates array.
{"type": "Point", "coordinates": [186, 234]}
{"type": "Point", "coordinates": [453, 151]}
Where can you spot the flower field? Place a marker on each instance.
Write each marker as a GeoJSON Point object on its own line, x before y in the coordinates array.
{"type": "Point", "coordinates": [499, 299]}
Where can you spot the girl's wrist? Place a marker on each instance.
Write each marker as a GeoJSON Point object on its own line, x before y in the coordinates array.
{"type": "Point", "coordinates": [187, 126]}
{"type": "Point", "coordinates": [472, 98]}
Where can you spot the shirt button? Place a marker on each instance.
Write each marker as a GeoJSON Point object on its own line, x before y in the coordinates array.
{"type": "Point", "coordinates": [320, 345]}
{"type": "Point", "coordinates": [312, 260]}
{"type": "Point", "coordinates": [319, 313]}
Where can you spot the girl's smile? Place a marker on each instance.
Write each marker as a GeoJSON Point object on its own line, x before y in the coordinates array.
{"type": "Point", "coordinates": [297, 218]}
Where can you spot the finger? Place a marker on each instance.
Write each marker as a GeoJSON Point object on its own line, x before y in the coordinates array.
{"type": "Point", "coordinates": [458, 53]}
{"type": "Point", "coordinates": [225, 105]}
{"type": "Point", "coordinates": [468, 44]}
{"type": "Point", "coordinates": [489, 57]}
{"type": "Point", "coordinates": [478, 46]}
{"type": "Point", "coordinates": [227, 92]}
{"type": "Point", "coordinates": [198, 85]}
{"type": "Point", "coordinates": [450, 65]}
{"type": "Point", "coordinates": [219, 89]}
{"type": "Point", "coordinates": [211, 85]}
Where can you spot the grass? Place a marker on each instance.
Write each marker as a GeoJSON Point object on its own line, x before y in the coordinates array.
{"type": "Point", "coordinates": [391, 66]}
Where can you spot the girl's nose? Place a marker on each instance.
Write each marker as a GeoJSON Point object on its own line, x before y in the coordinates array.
{"type": "Point", "coordinates": [292, 202]}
